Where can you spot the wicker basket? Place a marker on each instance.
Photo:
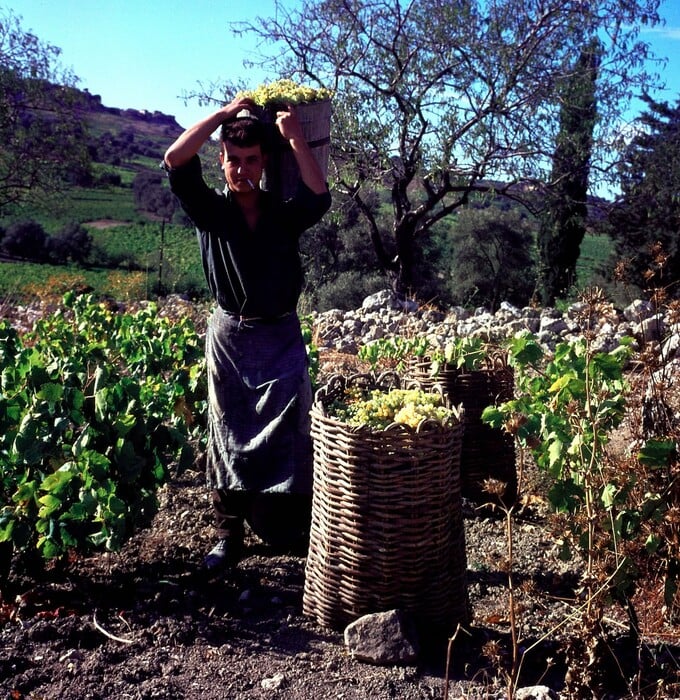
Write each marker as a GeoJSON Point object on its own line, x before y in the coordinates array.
{"type": "Point", "coordinates": [487, 453]}
{"type": "Point", "coordinates": [281, 175]}
{"type": "Point", "coordinates": [387, 526]}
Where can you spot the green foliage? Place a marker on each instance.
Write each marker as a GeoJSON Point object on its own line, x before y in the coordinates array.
{"type": "Point", "coordinates": [341, 269]}
{"type": "Point", "coordinates": [96, 407]}
{"type": "Point", "coordinates": [394, 352]}
{"type": "Point", "coordinates": [645, 219]}
{"type": "Point", "coordinates": [618, 512]}
{"type": "Point", "coordinates": [86, 205]}
{"type": "Point", "coordinates": [109, 196]}
{"type": "Point", "coordinates": [464, 352]}
{"type": "Point", "coordinates": [492, 258]}
{"type": "Point", "coordinates": [565, 407]}
{"type": "Point", "coordinates": [564, 223]}
{"type": "Point", "coordinates": [41, 129]}
{"type": "Point", "coordinates": [307, 327]}
{"type": "Point", "coordinates": [124, 266]}
{"type": "Point", "coordinates": [435, 101]}
{"type": "Point", "coordinates": [115, 148]}
{"type": "Point", "coordinates": [595, 253]}
{"type": "Point", "coordinates": [137, 247]}
{"type": "Point", "coordinates": [45, 281]}
{"type": "Point", "coordinates": [25, 239]}
{"type": "Point", "coordinates": [72, 244]}
{"type": "Point", "coordinates": [153, 195]}
{"type": "Point", "coordinates": [345, 291]}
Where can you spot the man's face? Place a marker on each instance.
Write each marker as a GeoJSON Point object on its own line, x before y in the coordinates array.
{"type": "Point", "coordinates": [242, 166]}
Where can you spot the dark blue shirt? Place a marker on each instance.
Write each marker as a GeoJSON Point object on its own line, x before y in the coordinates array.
{"type": "Point", "coordinates": [250, 273]}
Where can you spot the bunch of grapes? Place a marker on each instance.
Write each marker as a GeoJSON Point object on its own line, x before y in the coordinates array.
{"type": "Point", "coordinates": [378, 409]}
{"type": "Point", "coordinates": [285, 91]}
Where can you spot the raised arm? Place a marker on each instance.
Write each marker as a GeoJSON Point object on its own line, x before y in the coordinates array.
{"type": "Point", "coordinates": [190, 141]}
{"type": "Point", "coordinates": [290, 129]}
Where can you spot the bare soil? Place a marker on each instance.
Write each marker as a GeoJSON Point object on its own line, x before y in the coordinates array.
{"type": "Point", "coordinates": [148, 622]}
{"type": "Point", "coordinates": [105, 223]}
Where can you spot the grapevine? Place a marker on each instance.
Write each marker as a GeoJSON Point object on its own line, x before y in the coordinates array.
{"type": "Point", "coordinates": [95, 408]}
{"type": "Point", "coordinates": [468, 353]}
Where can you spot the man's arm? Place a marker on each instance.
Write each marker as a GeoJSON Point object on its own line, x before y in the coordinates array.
{"type": "Point", "coordinates": [189, 143]}
{"type": "Point", "coordinates": [310, 172]}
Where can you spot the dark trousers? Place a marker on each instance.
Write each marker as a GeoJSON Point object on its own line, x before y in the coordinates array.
{"type": "Point", "coordinates": [280, 519]}
{"type": "Point", "coordinates": [231, 508]}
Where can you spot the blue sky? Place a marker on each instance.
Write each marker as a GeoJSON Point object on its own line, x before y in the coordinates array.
{"type": "Point", "coordinates": [144, 54]}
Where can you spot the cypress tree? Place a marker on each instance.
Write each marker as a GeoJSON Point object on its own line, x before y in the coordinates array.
{"type": "Point", "coordinates": [563, 227]}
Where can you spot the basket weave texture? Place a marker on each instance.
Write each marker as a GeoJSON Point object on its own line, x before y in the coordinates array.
{"type": "Point", "coordinates": [387, 527]}
{"type": "Point", "coordinates": [487, 453]}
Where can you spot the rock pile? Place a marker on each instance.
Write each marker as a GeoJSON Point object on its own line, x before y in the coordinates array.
{"type": "Point", "coordinates": [384, 315]}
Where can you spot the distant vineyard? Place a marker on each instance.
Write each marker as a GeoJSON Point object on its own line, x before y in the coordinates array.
{"type": "Point", "coordinates": [125, 265]}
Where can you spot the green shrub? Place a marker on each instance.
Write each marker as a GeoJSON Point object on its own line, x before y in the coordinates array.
{"type": "Point", "coordinates": [25, 239]}
{"type": "Point", "coordinates": [96, 407]}
{"type": "Point", "coordinates": [347, 291]}
{"type": "Point", "coordinates": [72, 244]}
{"type": "Point", "coordinates": [492, 259]}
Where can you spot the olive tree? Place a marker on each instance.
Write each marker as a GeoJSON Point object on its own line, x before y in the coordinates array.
{"type": "Point", "coordinates": [41, 130]}
{"type": "Point", "coordinates": [492, 257]}
{"type": "Point", "coordinates": [153, 196]}
{"type": "Point", "coordinates": [438, 99]}
{"type": "Point", "coordinates": [25, 239]}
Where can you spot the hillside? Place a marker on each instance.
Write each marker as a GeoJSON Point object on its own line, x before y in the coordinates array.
{"type": "Point", "coordinates": [122, 142]}
{"type": "Point", "coordinates": [153, 125]}
{"type": "Point", "coordinates": [127, 242]}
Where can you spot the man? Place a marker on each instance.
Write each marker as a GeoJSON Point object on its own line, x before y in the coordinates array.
{"type": "Point", "coordinates": [258, 380]}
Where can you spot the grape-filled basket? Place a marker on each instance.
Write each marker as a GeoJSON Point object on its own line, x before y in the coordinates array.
{"type": "Point", "coordinates": [387, 528]}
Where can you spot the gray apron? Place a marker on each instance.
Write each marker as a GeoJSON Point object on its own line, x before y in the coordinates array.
{"type": "Point", "coordinates": [259, 401]}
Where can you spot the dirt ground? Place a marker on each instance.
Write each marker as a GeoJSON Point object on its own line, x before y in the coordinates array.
{"type": "Point", "coordinates": [148, 622]}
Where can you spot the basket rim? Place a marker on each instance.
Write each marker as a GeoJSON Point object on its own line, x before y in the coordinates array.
{"type": "Point", "coordinates": [427, 425]}
{"type": "Point", "coordinates": [498, 361]}
{"type": "Point", "coordinates": [387, 381]}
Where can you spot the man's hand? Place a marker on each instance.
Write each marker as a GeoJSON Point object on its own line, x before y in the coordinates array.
{"type": "Point", "coordinates": [230, 110]}
{"type": "Point", "coordinates": [190, 141]}
{"type": "Point", "coordinates": [291, 130]}
{"type": "Point", "coordinates": [288, 124]}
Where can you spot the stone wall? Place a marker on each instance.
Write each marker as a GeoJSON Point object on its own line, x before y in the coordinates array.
{"type": "Point", "coordinates": [383, 315]}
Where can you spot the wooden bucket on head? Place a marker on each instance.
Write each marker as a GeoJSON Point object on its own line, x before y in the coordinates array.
{"type": "Point", "coordinates": [281, 174]}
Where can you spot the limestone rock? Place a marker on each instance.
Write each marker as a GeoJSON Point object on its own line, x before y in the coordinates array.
{"type": "Point", "coordinates": [385, 638]}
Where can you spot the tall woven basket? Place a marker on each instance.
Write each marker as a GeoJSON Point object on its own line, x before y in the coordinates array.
{"type": "Point", "coordinates": [487, 453]}
{"type": "Point", "coordinates": [281, 175]}
{"type": "Point", "coordinates": [387, 526]}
